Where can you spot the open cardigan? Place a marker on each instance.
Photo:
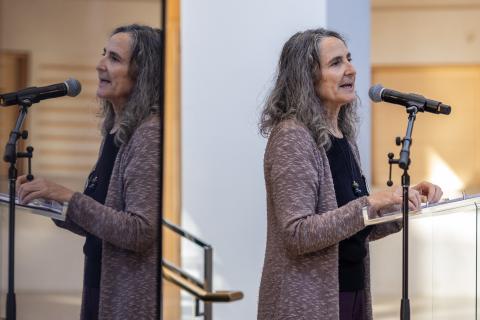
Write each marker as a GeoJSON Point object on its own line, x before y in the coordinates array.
{"type": "Point", "coordinates": [304, 227]}
{"type": "Point", "coordinates": [127, 224]}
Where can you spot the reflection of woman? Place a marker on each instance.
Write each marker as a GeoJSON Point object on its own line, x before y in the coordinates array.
{"type": "Point", "coordinates": [118, 212]}
{"type": "Point", "coordinates": [316, 262]}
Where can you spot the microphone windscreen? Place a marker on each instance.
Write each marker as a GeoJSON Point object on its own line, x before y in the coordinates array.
{"type": "Point", "coordinates": [73, 87]}
{"type": "Point", "coordinates": [444, 109]}
{"type": "Point", "coordinates": [375, 93]}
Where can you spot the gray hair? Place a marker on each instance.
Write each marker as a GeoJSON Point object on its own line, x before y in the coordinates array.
{"type": "Point", "coordinates": [145, 70]}
{"type": "Point", "coordinates": [294, 96]}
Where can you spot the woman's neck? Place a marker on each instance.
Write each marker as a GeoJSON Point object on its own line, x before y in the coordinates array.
{"type": "Point", "coordinates": [116, 122]}
{"type": "Point", "coordinates": [114, 128]}
{"type": "Point", "coordinates": [332, 121]}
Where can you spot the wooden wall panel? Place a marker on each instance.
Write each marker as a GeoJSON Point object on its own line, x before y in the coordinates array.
{"type": "Point", "coordinates": [13, 76]}
{"type": "Point", "coordinates": [172, 196]}
{"type": "Point", "coordinates": [65, 131]}
{"type": "Point", "coordinates": [445, 148]}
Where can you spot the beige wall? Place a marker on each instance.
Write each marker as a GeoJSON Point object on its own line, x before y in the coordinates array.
{"type": "Point", "coordinates": [64, 38]}
{"type": "Point", "coordinates": [420, 33]}
{"type": "Point", "coordinates": [425, 33]}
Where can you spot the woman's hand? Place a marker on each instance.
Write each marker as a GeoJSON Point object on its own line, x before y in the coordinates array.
{"type": "Point", "coordinates": [28, 191]}
{"type": "Point", "coordinates": [392, 196]}
{"type": "Point", "coordinates": [389, 197]}
{"type": "Point", "coordinates": [431, 191]}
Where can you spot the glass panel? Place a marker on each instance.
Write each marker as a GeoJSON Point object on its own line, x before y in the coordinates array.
{"type": "Point", "coordinates": [442, 265]}
{"type": "Point", "coordinates": [453, 262]}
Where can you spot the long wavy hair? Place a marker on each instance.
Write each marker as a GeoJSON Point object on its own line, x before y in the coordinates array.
{"type": "Point", "coordinates": [145, 70]}
{"type": "Point", "coordinates": [294, 96]}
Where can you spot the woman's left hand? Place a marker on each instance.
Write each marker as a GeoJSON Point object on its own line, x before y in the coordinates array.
{"type": "Point", "coordinates": [28, 191]}
{"type": "Point", "coordinates": [431, 191]}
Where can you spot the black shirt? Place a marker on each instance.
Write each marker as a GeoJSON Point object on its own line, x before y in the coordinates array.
{"type": "Point", "coordinates": [352, 250]}
{"type": "Point", "coordinates": [97, 187]}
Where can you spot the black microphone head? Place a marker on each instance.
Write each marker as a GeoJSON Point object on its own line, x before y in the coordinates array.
{"type": "Point", "coordinates": [375, 93]}
{"type": "Point", "coordinates": [444, 109]}
{"type": "Point", "coordinates": [73, 87]}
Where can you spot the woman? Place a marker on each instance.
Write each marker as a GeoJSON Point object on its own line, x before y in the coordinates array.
{"type": "Point", "coordinates": [316, 263]}
{"type": "Point", "coordinates": [118, 212]}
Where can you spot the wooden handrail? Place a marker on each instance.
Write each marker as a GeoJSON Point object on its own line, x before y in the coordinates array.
{"type": "Point", "coordinates": [199, 292]}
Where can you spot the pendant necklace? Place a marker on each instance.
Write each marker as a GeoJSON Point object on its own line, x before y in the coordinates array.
{"type": "Point", "coordinates": [357, 191]}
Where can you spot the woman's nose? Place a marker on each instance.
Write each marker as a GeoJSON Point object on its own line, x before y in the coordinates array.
{"type": "Point", "coordinates": [101, 64]}
{"type": "Point", "coordinates": [350, 69]}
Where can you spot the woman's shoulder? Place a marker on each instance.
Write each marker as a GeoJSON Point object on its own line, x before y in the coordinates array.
{"type": "Point", "coordinates": [148, 129]}
{"type": "Point", "coordinates": [145, 138]}
{"type": "Point", "coordinates": [290, 146]}
{"type": "Point", "coordinates": [291, 140]}
{"type": "Point", "coordinates": [151, 122]}
{"type": "Point", "coordinates": [144, 146]}
{"type": "Point", "coordinates": [292, 130]}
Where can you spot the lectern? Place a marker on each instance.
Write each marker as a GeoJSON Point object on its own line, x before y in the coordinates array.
{"type": "Point", "coordinates": [443, 262]}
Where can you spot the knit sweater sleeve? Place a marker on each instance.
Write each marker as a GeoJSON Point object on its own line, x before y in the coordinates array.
{"type": "Point", "coordinates": [381, 230]}
{"type": "Point", "coordinates": [133, 228]}
{"type": "Point", "coordinates": [68, 224]}
{"type": "Point", "coordinates": [296, 181]}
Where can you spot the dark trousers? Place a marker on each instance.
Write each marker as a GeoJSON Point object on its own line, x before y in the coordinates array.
{"type": "Point", "coordinates": [92, 296]}
{"type": "Point", "coordinates": [352, 305]}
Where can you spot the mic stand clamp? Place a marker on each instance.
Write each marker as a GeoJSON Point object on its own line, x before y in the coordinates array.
{"type": "Point", "coordinates": [28, 155]}
{"type": "Point", "coordinates": [404, 162]}
{"type": "Point", "coordinates": [11, 156]}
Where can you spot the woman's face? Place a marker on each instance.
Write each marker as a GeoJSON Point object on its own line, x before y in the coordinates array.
{"type": "Point", "coordinates": [336, 83]}
{"type": "Point", "coordinates": [114, 81]}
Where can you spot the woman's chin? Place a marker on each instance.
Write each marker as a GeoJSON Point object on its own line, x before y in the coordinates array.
{"type": "Point", "coordinates": [101, 94]}
{"type": "Point", "coordinates": [350, 98]}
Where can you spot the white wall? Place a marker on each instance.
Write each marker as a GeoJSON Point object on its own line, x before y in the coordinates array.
{"type": "Point", "coordinates": [352, 20]}
{"type": "Point", "coordinates": [229, 55]}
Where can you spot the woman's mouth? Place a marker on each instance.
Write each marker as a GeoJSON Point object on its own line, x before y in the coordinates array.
{"type": "Point", "coordinates": [347, 86]}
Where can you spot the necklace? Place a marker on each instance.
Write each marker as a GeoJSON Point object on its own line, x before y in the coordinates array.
{"type": "Point", "coordinates": [357, 191]}
{"type": "Point", "coordinates": [338, 134]}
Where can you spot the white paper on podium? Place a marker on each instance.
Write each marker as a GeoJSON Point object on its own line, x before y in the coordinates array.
{"type": "Point", "coordinates": [444, 207]}
{"type": "Point", "coordinates": [48, 208]}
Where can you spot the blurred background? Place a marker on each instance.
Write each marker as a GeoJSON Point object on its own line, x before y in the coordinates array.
{"type": "Point", "coordinates": [42, 43]}
{"type": "Point", "coordinates": [221, 59]}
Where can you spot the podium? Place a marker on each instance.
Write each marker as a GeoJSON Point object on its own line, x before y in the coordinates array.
{"type": "Point", "coordinates": [47, 208]}
{"type": "Point", "coordinates": [443, 262]}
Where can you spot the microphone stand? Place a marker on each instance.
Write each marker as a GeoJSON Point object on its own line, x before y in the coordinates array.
{"type": "Point", "coordinates": [11, 156]}
{"type": "Point", "coordinates": [404, 163]}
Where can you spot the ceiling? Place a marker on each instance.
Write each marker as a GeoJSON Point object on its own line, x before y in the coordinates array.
{"type": "Point", "coordinates": [424, 3]}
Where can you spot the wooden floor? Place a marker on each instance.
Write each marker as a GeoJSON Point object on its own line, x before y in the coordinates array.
{"type": "Point", "coordinates": [66, 306]}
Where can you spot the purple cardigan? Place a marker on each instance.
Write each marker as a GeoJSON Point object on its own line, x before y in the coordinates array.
{"type": "Point", "coordinates": [127, 224]}
{"type": "Point", "coordinates": [304, 228]}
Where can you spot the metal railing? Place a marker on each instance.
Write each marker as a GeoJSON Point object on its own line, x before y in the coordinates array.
{"type": "Point", "coordinates": [201, 289]}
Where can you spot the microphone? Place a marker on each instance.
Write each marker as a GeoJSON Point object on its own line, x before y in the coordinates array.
{"type": "Point", "coordinates": [71, 87]}
{"type": "Point", "coordinates": [378, 93]}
